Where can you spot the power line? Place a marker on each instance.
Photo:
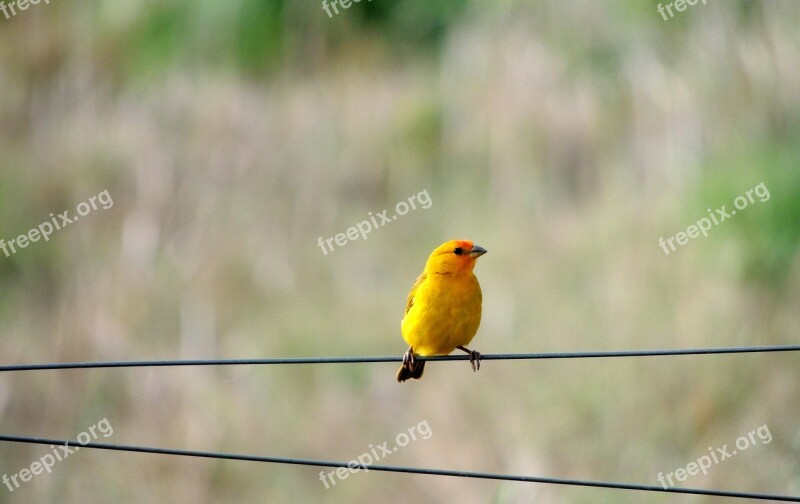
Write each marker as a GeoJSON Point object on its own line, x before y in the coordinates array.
{"type": "Point", "coordinates": [399, 469]}
{"type": "Point", "coordinates": [354, 360]}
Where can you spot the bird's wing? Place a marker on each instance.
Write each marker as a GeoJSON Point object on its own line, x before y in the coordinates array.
{"type": "Point", "coordinates": [410, 300]}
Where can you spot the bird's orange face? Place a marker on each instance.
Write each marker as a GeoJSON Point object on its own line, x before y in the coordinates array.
{"type": "Point", "coordinates": [453, 257]}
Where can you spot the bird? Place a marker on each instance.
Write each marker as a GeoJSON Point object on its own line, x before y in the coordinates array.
{"type": "Point", "coordinates": [443, 309]}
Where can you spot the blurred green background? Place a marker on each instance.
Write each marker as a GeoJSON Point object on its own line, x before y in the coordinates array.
{"type": "Point", "coordinates": [566, 137]}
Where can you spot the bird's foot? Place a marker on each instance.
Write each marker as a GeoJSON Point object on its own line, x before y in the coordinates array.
{"type": "Point", "coordinates": [408, 359]}
{"type": "Point", "coordinates": [474, 358]}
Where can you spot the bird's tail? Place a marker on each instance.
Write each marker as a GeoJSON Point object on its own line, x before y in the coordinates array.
{"type": "Point", "coordinates": [415, 372]}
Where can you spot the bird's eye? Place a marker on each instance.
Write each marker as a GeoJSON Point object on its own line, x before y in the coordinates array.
{"type": "Point", "coordinates": [458, 251]}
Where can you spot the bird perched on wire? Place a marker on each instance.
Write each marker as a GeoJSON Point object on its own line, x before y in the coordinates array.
{"type": "Point", "coordinates": [443, 310]}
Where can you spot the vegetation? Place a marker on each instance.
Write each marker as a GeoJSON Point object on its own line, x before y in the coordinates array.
{"type": "Point", "coordinates": [564, 137]}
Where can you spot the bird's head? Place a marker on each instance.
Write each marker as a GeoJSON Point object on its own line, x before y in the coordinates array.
{"type": "Point", "coordinates": [454, 257]}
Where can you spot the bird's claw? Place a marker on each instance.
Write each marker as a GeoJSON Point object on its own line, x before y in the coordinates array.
{"type": "Point", "coordinates": [475, 360]}
{"type": "Point", "coordinates": [408, 359]}
{"type": "Point", "coordinates": [474, 357]}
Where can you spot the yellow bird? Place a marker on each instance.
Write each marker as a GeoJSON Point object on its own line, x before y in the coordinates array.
{"type": "Point", "coordinates": [443, 310]}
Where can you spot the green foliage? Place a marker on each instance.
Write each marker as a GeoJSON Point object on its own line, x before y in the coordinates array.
{"type": "Point", "coordinates": [259, 32]}
{"type": "Point", "coordinates": [258, 36]}
{"type": "Point", "coordinates": [768, 231]}
{"type": "Point", "coordinates": [416, 23]}
{"type": "Point", "coordinates": [154, 38]}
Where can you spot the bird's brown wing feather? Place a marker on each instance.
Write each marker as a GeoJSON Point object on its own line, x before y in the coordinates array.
{"type": "Point", "coordinates": [417, 283]}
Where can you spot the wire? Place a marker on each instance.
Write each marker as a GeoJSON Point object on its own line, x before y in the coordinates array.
{"type": "Point", "coordinates": [351, 360]}
{"type": "Point", "coordinates": [401, 469]}
{"type": "Point", "coordinates": [398, 469]}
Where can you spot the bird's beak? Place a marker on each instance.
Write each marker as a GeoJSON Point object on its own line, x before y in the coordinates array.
{"type": "Point", "coordinates": [477, 251]}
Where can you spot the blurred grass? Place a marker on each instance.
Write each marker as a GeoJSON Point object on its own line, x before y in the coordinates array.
{"type": "Point", "coordinates": [563, 137]}
{"type": "Point", "coordinates": [261, 37]}
{"type": "Point", "coordinates": [768, 233]}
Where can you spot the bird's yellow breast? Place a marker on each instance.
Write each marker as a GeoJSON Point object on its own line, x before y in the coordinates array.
{"type": "Point", "coordinates": [445, 313]}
